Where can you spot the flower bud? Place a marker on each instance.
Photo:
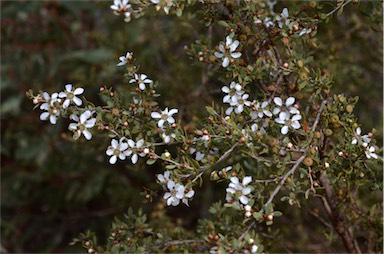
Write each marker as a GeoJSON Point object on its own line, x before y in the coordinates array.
{"type": "Point", "coordinates": [308, 161]}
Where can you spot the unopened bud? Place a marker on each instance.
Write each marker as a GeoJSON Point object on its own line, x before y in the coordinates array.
{"type": "Point", "coordinates": [289, 145]}
{"type": "Point", "coordinates": [146, 150]}
{"type": "Point", "coordinates": [167, 154]}
{"type": "Point", "coordinates": [251, 241]}
{"type": "Point", "coordinates": [326, 165]}
{"type": "Point", "coordinates": [248, 214]}
{"type": "Point", "coordinates": [248, 208]}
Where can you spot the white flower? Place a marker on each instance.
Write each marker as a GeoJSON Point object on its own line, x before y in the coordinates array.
{"type": "Point", "coordinates": [238, 104]}
{"type": "Point", "coordinates": [284, 118]}
{"type": "Point", "coordinates": [365, 139]}
{"type": "Point", "coordinates": [70, 95]}
{"type": "Point", "coordinates": [164, 178]}
{"type": "Point", "coordinates": [267, 22]}
{"type": "Point", "coordinates": [198, 156]}
{"type": "Point", "coordinates": [228, 51]}
{"type": "Point", "coordinates": [141, 80]}
{"type": "Point", "coordinates": [232, 92]}
{"type": "Point", "coordinates": [135, 149]}
{"type": "Point", "coordinates": [167, 4]}
{"type": "Point", "coordinates": [370, 152]}
{"type": "Point", "coordinates": [287, 106]}
{"type": "Point", "coordinates": [305, 31]}
{"type": "Point", "coordinates": [239, 190]}
{"type": "Point", "coordinates": [167, 138]}
{"type": "Point", "coordinates": [117, 149]}
{"type": "Point", "coordinates": [165, 116]}
{"type": "Point", "coordinates": [125, 59]}
{"type": "Point", "coordinates": [227, 169]}
{"type": "Point", "coordinates": [283, 17]}
{"type": "Point", "coordinates": [177, 193]}
{"type": "Point", "coordinates": [82, 125]}
{"type": "Point", "coordinates": [261, 110]}
{"type": "Point", "coordinates": [50, 105]}
{"type": "Point", "coordinates": [120, 5]}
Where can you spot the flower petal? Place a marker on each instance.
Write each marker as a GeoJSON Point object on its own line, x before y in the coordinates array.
{"type": "Point", "coordinates": [225, 62]}
{"type": "Point", "coordinates": [134, 158]}
{"type": "Point", "coordinates": [87, 134]}
{"type": "Point", "coordinates": [113, 159]}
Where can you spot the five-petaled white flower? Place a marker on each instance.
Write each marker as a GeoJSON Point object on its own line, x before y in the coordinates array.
{"type": "Point", "coordinates": [50, 105]}
{"type": "Point", "coordinates": [125, 59]}
{"type": "Point", "coordinates": [120, 5]}
{"type": "Point", "coordinates": [70, 95]}
{"type": "Point", "coordinates": [370, 152]}
{"type": "Point", "coordinates": [260, 110]}
{"type": "Point", "coordinates": [365, 139]}
{"type": "Point", "coordinates": [135, 149]}
{"type": "Point", "coordinates": [117, 149]}
{"type": "Point", "coordinates": [228, 51]}
{"type": "Point", "coordinates": [167, 138]}
{"type": "Point", "coordinates": [82, 125]}
{"type": "Point", "coordinates": [287, 106]}
{"type": "Point", "coordinates": [267, 22]}
{"type": "Point", "coordinates": [284, 118]}
{"type": "Point", "coordinates": [177, 193]}
{"type": "Point", "coordinates": [232, 92]}
{"type": "Point", "coordinates": [239, 190]}
{"type": "Point", "coordinates": [283, 17]}
{"type": "Point", "coordinates": [238, 104]}
{"type": "Point", "coordinates": [141, 80]}
{"type": "Point", "coordinates": [165, 116]}
{"type": "Point", "coordinates": [164, 178]}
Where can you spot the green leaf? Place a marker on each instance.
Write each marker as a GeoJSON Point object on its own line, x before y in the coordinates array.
{"type": "Point", "coordinates": [150, 162]}
{"type": "Point", "coordinates": [257, 215]}
{"type": "Point", "coordinates": [223, 23]}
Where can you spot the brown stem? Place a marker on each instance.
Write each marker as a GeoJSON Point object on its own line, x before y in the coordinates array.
{"type": "Point", "coordinates": [337, 218]}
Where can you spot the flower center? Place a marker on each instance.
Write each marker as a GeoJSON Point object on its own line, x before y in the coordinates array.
{"type": "Point", "coordinates": [70, 95]}
{"type": "Point", "coordinates": [82, 127]}
{"type": "Point", "coordinates": [116, 152]}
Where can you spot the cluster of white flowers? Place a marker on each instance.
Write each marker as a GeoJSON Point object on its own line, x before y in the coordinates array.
{"type": "Point", "coordinates": [364, 141]}
{"type": "Point", "coordinates": [227, 52]}
{"type": "Point", "coordinates": [56, 102]}
{"type": "Point", "coordinates": [239, 190]}
{"type": "Point", "coordinates": [124, 148]}
{"type": "Point", "coordinates": [52, 106]}
{"type": "Point", "coordinates": [236, 98]}
{"type": "Point", "coordinates": [287, 114]}
{"type": "Point", "coordinates": [176, 192]}
{"type": "Point", "coordinates": [282, 20]}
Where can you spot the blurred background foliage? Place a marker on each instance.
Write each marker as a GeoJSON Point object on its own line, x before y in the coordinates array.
{"type": "Point", "coordinates": [52, 187]}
